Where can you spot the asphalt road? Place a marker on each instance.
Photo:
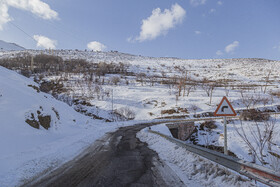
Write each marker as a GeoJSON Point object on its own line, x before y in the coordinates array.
{"type": "Point", "coordinates": [118, 159]}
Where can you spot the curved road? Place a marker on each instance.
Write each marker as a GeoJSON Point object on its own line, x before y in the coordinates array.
{"type": "Point", "coordinates": [118, 159]}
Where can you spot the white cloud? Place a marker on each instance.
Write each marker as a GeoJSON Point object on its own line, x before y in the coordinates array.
{"type": "Point", "coordinates": [197, 32]}
{"type": "Point", "coordinates": [45, 42]}
{"type": "Point", "coordinates": [96, 46]}
{"type": "Point", "coordinates": [36, 7]}
{"type": "Point", "coordinates": [197, 2]}
{"type": "Point", "coordinates": [130, 39]}
{"type": "Point", "coordinates": [160, 22]}
{"type": "Point", "coordinates": [212, 10]}
{"type": "Point", "coordinates": [231, 47]}
{"type": "Point", "coordinates": [277, 47]}
{"type": "Point", "coordinates": [219, 2]}
{"type": "Point", "coordinates": [4, 16]}
{"type": "Point", "coordinates": [219, 53]}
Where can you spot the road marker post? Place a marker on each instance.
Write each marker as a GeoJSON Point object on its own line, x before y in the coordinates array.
{"type": "Point", "coordinates": [225, 109]}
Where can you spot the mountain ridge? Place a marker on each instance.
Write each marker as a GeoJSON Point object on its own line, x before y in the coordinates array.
{"type": "Point", "coordinates": [5, 46]}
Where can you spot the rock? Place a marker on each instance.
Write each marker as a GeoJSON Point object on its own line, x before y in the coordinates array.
{"type": "Point", "coordinates": [45, 121]}
{"type": "Point", "coordinates": [33, 123]}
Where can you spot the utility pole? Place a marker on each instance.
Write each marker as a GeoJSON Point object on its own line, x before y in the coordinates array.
{"type": "Point", "coordinates": [112, 100]}
{"type": "Point", "coordinates": [113, 104]}
{"type": "Point", "coordinates": [32, 64]}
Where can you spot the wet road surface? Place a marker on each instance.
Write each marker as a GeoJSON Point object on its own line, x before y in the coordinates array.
{"type": "Point", "coordinates": [117, 159]}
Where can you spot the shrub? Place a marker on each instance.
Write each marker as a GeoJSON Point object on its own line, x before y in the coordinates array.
{"type": "Point", "coordinates": [115, 80]}
{"type": "Point", "coordinates": [25, 73]}
{"type": "Point", "coordinates": [52, 86]}
{"type": "Point", "coordinates": [208, 125]}
{"type": "Point", "coordinates": [125, 113]}
{"type": "Point", "coordinates": [34, 87]}
{"type": "Point", "coordinates": [193, 108]}
{"type": "Point", "coordinates": [254, 115]}
{"type": "Point", "coordinates": [276, 93]}
{"type": "Point", "coordinates": [170, 111]}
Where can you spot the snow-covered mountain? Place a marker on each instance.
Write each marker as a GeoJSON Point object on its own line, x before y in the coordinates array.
{"type": "Point", "coordinates": [5, 46]}
{"type": "Point", "coordinates": [148, 87]}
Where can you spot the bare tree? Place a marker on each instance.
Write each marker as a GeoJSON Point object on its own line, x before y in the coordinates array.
{"type": "Point", "coordinates": [115, 80]}
{"type": "Point", "coordinates": [209, 88]}
{"type": "Point", "coordinates": [226, 87]}
{"type": "Point", "coordinates": [141, 77]}
{"type": "Point", "coordinates": [152, 80]}
{"type": "Point", "coordinates": [189, 89]}
{"type": "Point", "coordinates": [207, 137]}
{"type": "Point", "coordinates": [257, 136]}
{"type": "Point", "coordinates": [266, 79]}
{"type": "Point", "coordinates": [246, 99]}
{"type": "Point", "coordinates": [193, 108]}
{"type": "Point", "coordinates": [274, 161]}
{"type": "Point", "coordinates": [97, 90]}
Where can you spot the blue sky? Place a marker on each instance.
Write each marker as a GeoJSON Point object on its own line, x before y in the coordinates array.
{"type": "Point", "coordinates": [162, 28]}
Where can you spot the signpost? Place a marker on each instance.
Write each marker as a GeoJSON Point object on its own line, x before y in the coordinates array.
{"type": "Point", "coordinates": [225, 109]}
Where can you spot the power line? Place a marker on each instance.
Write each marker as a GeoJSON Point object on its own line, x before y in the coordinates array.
{"type": "Point", "coordinates": [70, 34]}
{"type": "Point", "coordinates": [22, 31]}
{"type": "Point", "coordinates": [59, 27]}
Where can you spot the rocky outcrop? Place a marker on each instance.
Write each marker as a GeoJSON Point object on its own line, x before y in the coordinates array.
{"type": "Point", "coordinates": [39, 120]}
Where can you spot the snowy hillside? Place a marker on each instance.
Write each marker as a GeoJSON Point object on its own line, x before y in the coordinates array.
{"type": "Point", "coordinates": [26, 150]}
{"type": "Point", "coordinates": [153, 86]}
{"type": "Point", "coordinates": [150, 86]}
{"type": "Point", "coordinates": [5, 46]}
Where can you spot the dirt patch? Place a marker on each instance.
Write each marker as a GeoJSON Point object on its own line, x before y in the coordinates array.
{"type": "Point", "coordinates": [38, 119]}
{"type": "Point", "coordinates": [277, 93]}
{"type": "Point", "coordinates": [33, 123]}
{"type": "Point", "coordinates": [174, 117]}
{"type": "Point", "coordinates": [170, 111]}
{"type": "Point", "coordinates": [218, 149]}
{"type": "Point", "coordinates": [206, 114]}
{"type": "Point", "coordinates": [208, 124]}
{"type": "Point", "coordinates": [34, 87]}
{"type": "Point", "coordinates": [254, 115]}
{"type": "Point", "coordinates": [176, 110]}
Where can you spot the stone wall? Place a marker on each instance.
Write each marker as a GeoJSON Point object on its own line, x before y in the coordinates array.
{"type": "Point", "coordinates": [184, 130]}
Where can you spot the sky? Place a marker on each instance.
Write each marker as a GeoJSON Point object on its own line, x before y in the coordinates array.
{"type": "Point", "coordinates": [189, 29]}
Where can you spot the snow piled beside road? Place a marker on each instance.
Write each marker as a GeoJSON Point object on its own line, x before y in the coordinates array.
{"type": "Point", "coordinates": [190, 167]}
{"type": "Point", "coordinates": [162, 128]}
{"type": "Point", "coordinates": [26, 151]}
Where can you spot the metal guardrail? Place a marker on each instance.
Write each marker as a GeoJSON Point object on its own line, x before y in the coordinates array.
{"type": "Point", "coordinates": [253, 171]}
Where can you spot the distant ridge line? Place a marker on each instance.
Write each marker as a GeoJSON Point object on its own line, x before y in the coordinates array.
{"type": "Point", "coordinates": [6, 46]}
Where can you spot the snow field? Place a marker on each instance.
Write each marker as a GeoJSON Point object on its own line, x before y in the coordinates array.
{"type": "Point", "coordinates": [31, 151]}
{"type": "Point", "coordinates": [189, 167]}
{"type": "Point", "coordinates": [26, 151]}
